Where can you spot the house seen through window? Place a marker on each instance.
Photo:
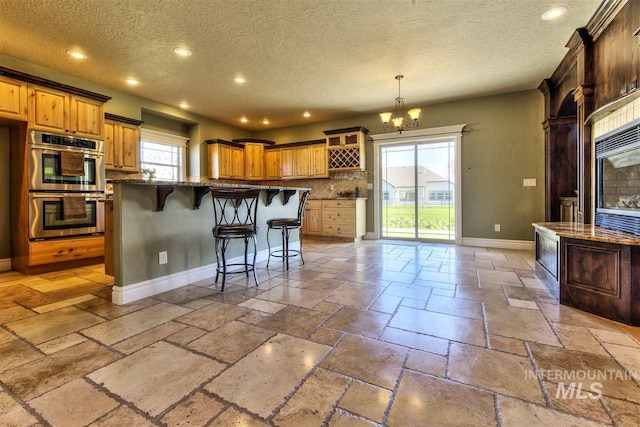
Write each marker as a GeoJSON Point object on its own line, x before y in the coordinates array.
{"type": "Point", "coordinates": [166, 153]}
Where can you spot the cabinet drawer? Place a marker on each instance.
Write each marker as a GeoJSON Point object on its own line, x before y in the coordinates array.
{"type": "Point", "coordinates": [338, 203]}
{"type": "Point", "coordinates": [51, 251]}
{"type": "Point", "coordinates": [340, 230]}
{"type": "Point", "coordinates": [314, 204]}
{"type": "Point", "coordinates": [339, 216]}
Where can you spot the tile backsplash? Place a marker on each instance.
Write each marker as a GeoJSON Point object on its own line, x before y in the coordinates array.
{"type": "Point", "coordinates": [321, 188]}
{"type": "Point", "coordinates": [620, 117]}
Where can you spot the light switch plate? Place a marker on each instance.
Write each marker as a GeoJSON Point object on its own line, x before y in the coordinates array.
{"type": "Point", "coordinates": [369, 186]}
{"type": "Point", "coordinates": [529, 182]}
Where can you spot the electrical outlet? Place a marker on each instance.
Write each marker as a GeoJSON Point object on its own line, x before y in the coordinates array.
{"type": "Point", "coordinates": [529, 182]}
{"type": "Point", "coordinates": [369, 186]}
{"type": "Point", "coordinates": [496, 227]}
{"type": "Point", "coordinates": [163, 258]}
{"type": "Point", "coordinates": [332, 187]}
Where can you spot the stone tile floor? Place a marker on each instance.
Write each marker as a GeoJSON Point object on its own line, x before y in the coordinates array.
{"type": "Point", "coordinates": [373, 333]}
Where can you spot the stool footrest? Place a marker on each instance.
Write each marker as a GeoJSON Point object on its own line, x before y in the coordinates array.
{"type": "Point", "coordinates": [280, 253]}
{"type": "Point", "coordinates": [246, 268]}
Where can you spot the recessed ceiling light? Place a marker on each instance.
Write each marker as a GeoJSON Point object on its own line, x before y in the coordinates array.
{"type": "Point", "coordinates": [239, 79]}
{"type": "Point", "coordinates": [133, 82]}
{"type": "Point", "coordinates": [554, 13]}
{"type": "Point", "coordinates": [306, 114]}
{"type": "Point", "coordinates": [76, 54]}
{"type": "Point", "coordinates": [265, 121]}
{"type": "Point", "coordinates": [182, 51]}
{"type": "Point", "coordinates": [244, 120]}
{"type": "Point", "coordinates": [184, 105]}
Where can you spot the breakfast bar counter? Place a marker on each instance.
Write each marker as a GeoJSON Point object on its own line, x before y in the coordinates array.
{"type": "Point", "coordinates": [150, 217]}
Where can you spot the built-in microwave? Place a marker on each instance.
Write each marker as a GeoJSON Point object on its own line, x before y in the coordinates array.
{"type": "Point", "coordinates": [45, 163]}
{"type": "Point", "coordinates": [47, 217]}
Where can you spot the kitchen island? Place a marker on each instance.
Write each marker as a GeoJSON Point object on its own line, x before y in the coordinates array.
{"type": "Point", "coordinates": [591, 268]}
{"type": "Point", "coordinates": [150, 217]}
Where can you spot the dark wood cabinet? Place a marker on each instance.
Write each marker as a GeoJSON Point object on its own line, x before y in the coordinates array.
{"type": "Point", "coordinates": [599, 278]}
{"type": "Point", "coordinates": [596, 276]}
{"type": "Point", "coordinates": [548, 260]}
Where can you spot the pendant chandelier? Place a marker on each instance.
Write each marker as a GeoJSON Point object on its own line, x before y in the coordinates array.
{"type": "Point", "coordinates": [399, 121]}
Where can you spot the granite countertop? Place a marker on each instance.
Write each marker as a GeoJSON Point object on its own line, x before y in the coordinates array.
{"type": "Point", "coordinates": [336, 198]}
{"type": "Point", "coordinates": [575, 230]}
{"type": "Point", "coordinates": [198, 182]}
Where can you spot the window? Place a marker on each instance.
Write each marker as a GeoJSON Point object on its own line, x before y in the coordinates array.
{"type": "Point", "coordinates": [385, 196]}
{"type": "Point", "coordinates": [165, 153]}
{"type": "Point", "coordinates": [439, 195]}
{"type": "Point", "coordinates": [408, 196]}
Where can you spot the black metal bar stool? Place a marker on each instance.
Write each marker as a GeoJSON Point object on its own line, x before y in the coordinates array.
{"type": "Point", "coordinates": [235, 212]}
{"type": "Point", "coordinates": [285, 225]}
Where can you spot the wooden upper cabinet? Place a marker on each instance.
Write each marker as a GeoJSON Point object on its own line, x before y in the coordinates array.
{"type": "Point", "coordinates": [346, 148]}
{"type": "Point", "coordinates": [286, 163]}
{"type": "Point", "coordinates": [237, 163]}
{"type": "Point", "coordinates": [319, 165]}
{"type": "Point", "coordinates": [272, 164]}
{"type": "Point", "coordinates": [129, 148]}
{"type": "Point", "coordinates": [86, 117]}
{"type": "Point", "coordinates": [254, 161]}
{"type": "Point", "coordinates": [121, 145]}
{"type": "Point", "coordinates": [48, 109]}
{"type": "Point", "coordinates": [109, 145]}
{"type": "Point", "coordinates": [303, 162]}
{"type": "Point", "coordinates": [225, 161]}
{"type": "Point", "coordinates": [13, 99]}
{"type": "Point", "coordinates": [56, 111]}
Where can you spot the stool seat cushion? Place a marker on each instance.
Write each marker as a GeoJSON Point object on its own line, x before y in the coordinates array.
{"type": "Point", "coordinates": [233, 230]}
{"type": "Point", "coordinates": [284, 222]}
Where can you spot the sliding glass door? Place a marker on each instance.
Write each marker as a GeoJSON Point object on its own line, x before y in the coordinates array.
{"type": "Point", "coordinates": [417, 190]}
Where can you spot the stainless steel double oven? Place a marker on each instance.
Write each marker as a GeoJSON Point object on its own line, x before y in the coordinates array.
{"type": "Point", "coordinates": [54, 192]}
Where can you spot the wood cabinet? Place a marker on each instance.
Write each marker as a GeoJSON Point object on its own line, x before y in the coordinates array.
{"type": "Point", "coordinates": [336, 219]}
{"type": "Point", "coordinates": [225, 160]}
{"type": "Point", "coordinates": [13, 99]}
{"type": "Point", "coordinates": [57, 111]}
{"type": "Point", "coordinates": [343, 218]}
{"type": "Point", "coordinates": [299, 162]}
{"type": "Point", "coordinates": [122, 144]}
{"type": "Point", "coordinates": [319, 166]}
{"type": "Point", "coordinates": [254, 160]}
{"type": "Point", "coordinates": [272, 164]}
{"type": "Point", "coordinates": [287, 170]}
{"type": "Point", "coordinates": [312, 222]}
{"type": "Point", "coordinates": [346, 148]}
{"type": "Point", "coordinates": [302, 162]}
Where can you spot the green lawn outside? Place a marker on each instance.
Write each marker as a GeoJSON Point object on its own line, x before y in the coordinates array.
{"type": "Point", "coordinates": [429, 217]}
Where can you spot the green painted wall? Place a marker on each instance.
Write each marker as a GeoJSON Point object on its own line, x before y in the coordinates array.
{"type": "Point", "coordinates": [140, 232]}
{"type": "Point", "coordinates": [505, 145]}
{"type": "Point", "coordinates": [5, 213]}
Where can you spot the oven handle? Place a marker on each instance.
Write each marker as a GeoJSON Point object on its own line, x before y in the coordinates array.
{"type": "Point", "coordinates": [99, 198]}
{"type": "Point", "coordinates": [54, 150]}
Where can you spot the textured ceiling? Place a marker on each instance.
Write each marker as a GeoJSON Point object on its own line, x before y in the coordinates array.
{"type": "Point", "coordinates": [334, 58]}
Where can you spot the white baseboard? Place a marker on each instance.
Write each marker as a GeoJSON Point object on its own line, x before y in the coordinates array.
{"type": "Point", "coordinates": [370, 235]}
{"type": "Point", "coordinates": [136, 291]}
{"type": "Point", "coordinates": [521, 245]}
{"type": "Point", "coordinates": [5, 264]}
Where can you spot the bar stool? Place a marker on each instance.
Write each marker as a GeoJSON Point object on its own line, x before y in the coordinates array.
{"type": "Point", "coordinates": [235, 212]}
{"type": "Point", "coordinates": [285, 225]}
